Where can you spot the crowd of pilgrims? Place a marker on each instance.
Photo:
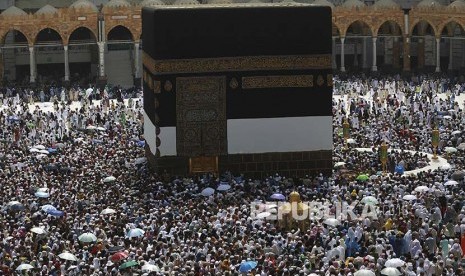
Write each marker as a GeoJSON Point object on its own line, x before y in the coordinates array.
{"type": "Point", "coordinates": [78, 198]}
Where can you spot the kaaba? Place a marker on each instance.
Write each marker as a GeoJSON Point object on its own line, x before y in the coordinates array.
{"type": "Point", "coordinates": [245, 88]}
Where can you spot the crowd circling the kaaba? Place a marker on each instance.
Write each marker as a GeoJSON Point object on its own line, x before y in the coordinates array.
{"type": "Point", "coordinates": [77, 196]}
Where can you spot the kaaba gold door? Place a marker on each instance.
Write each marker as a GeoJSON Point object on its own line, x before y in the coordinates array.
{"type": "Point", "coordinates": [201, 128]}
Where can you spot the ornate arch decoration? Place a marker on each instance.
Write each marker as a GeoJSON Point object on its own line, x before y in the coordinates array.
{"type": "Point", "coordinates": [129, 28]}
{"type": "Point", "coordinates": [347, 26]}
{"type": "Point", "coordinates": [377, 27]}
{"type": "Point", "coordinates": [4, 32]}
{"type": "Point", "coordinates": [91, 30]}
{"type": "Point", "coordinates": [418, 20]}
{"type": "Point", "coordinates": [445, 23]}
{"type": "Point", "coordinates": [56, 29]}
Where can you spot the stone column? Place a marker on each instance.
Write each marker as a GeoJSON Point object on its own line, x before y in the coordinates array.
{"type": "Point", "coordinates": [343, 69]}
{"type": "Point", "coordinates": [32, 64]}
{"type": "Point", "coordinates": [374, 68]}
{"type": "Point", "coordinates": [438, 55]}
{"type": "Point", "coordinates": [364, 53]}
{"type": "Point", "coordinates": [334, 63]}
{"type": "Point", "coordinates": [66, 63]}
{"type": "Point", "coordinates": [136, 60]}
{"type": "Point", "coordinates": [450, 67]}
{"type": "Point", "coordinates": [101, 54]}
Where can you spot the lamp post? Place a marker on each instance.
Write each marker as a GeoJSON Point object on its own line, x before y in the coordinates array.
{"type": "Point", "coordinates": [435, 142]}
{"type": "Point", "coordinates": [345, 131]}
{"type": "Point", "coordinates": [383, 155]}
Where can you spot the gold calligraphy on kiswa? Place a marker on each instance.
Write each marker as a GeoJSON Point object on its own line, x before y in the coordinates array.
{"type": "Point", "coordinates": [226, 64]}
{"type": "Point", "coordinates": [277, 81]}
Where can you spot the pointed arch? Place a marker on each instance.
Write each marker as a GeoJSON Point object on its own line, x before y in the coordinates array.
{"type": "Point", "coordinates": [81, 33]}
{"type": "Point", "coordinates": [48, 34]}
{"type": "Point", "coordinates": [120, 32]}
{"type": "Point", "coordinates": [20, 34]}
{"type": "Point", "coordinates": [417, 29]}
{"type": "Point", "coordinates": [388, 28]}
{"type": "Point", "coordinates": [359, 28]}
{"type": "Point", "coordinates": [448, 27]}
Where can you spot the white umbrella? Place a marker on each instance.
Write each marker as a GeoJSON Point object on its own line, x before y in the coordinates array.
{"type": "Point", "coordinates": [38, 230]}
{"type": "Point", "coordinates": [263, 215]}
{"type": "Point", "coordinates": [447, 117]}
{"type": "Point", "coordinates": [41, 147]}
{"type": "Point", "coordinates": [68, 256]}
{"type": "Point", "coordinates": [455, 132]}
{"type": "Point", "coordinates": [370, 200]}
{"type": "Point", "coordinates": [34, 150]}
{"type": "Point", "coordinates": [421, 189]}
{"type": "Point", "coordinates": [87, 237]}
{"type": "Point", "coordinates": [43, 152]}
{"type": "Point", "coordinates": [134, 233]}
{"type": "Point", "coordinates": [332, 222]}
{"type": "Point", "coordinates": [450, 149]}
{"type": "Point", "coordinates": [60, 145]}
{"type": "Point", "coordinates": [395, 262]}
{"type": "Point", "coordinates": [409, 197]}
{"type": "Point", "coordinates": [40, 156]}
{"type": "Point", "coordinates": [451, 183]}
{"type": "Point", "coordinates": [339, 164]}
{"type": "Point", "coordinates": [109, 179]}
{"type": "Point", "coordinates": [140, 160]}
{"type": "Point", "coordinates": [445, 167]}
{"type": "Point", "coordinates": [44, 190]}
{"type": "Point", "coordinates": [461, 146]}
{"type": "Point", "coordinates": [364, 272]}
{"type": "Point", "coordinates": [24, 267]}
{"type": "Point", "coordinates": [101, 128]}
{"type": "Point", "coordinates": [107, 211]}
{"type": "Point", "coordinates": [48, 207]}
{"type": "Point", "coordinates": [351, 141]}
{"type": "Point", "coordinates": [208, 191]}
{"type": "Point", "coordinates": [390, 271]}
{"type": "Point", "coordinates": [223, 187]}
{"type": "Point", "coordinates": [91, 127]}
{"type": "Point", "coordinates": [150, 268]}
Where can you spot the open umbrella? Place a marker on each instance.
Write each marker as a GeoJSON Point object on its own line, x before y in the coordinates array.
{"type": "Point", "coordinates": [15, 205]}
{"type": "Point", "coordinates": [55, 213]}
{"type": "Point", "coordinates": [461, 146]}
{"type": "Point", "coordinates": [395, 262]}
{"type": "Point", "coordinates": [450, 150]}
{"type": "Point", "coordinates": [458, 175]}
{"type": "Point", "coordinates": [87, 238]}
{"type": "Point", "coordinates": [263, 215]}
{"type": "Point", "coordinates": [445, 167]}
{"type": "Point", "coordinates": [363, 177]}
{"type": "Point", "coordinates": [101, 128]}
{"type": "Point", "coordinates": [247, 266]}
{"type": "Point", "coordinates": [147, 268]}
{"type": "Point", "coordinates": [390, 271]}
{"type": "Point", "coordinates": [34, 150]}
{"type": "Point", "coordinates": [278, 196]}
{"type": "Point", "coordinates": [115, 249]}
{"type": "Point", "coordinates": [451, 183]}
{"type": "Point", "coordinates": [109, 179]}
{"type": "Point", "coordinates": [370, 200]}
{"type": "Point", "coordinates": [107, 211]}
{"type": "Point", "coordinates": [38, 230]}
{"type": "Point", "coordinates": [48, 207]}
{"type": "Point", "coordinates": [51, 150]}
{"type": "Point", "coordinates": [421, 189]}
{"type": "Point", "coordinates": [43, 151]}
{"type": "Point", "coordinates": [68, 256]}
{"type": "Point", "coordinates": [332, 222]}
{"type": "Point", "coordinates": [447, 117]}
{"type": "Point", "coordinates": [364, 272]}
{"type": "Point", "coordinates": [134, 233]}
{"type": "Point", "coordinates": [223, 187]}
{"type": "Point", "coordinates": [119, 256]}
{"type": "Point", "coordinates": [42, 194]}
{"type": "Point", "coordinates": [90, 127]}
{"type": "Point", "coordinates": [455, 132]}
{"type": "Point", "coordinates": [351, 141]}
{"type": "Point", "coordinates": [24, 267]}
{"type": "Point", "coordinates": [140, 160]}
{"type": "Point", "coordinates": [208, 191]}
{"type": "Point", "coordinates": [40, 147]}
{"type": "Point", "coordinates": [409, 197]}
{"type": "Point", "coordinates": [339, 164]}
{"type": "Point", "coordinates": [128, 264]}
